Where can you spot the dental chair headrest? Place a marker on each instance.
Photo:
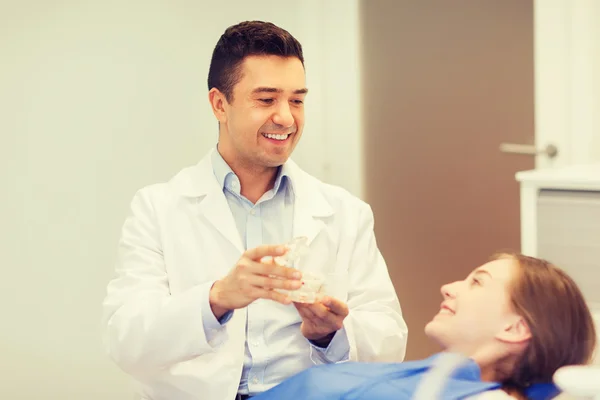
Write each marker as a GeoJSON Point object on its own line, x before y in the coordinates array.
{"type": "Point", "coordinates": [579, 380]}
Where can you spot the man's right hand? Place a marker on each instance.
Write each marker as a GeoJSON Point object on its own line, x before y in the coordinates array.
{"type": "Point", "coordinates": [252, 279]}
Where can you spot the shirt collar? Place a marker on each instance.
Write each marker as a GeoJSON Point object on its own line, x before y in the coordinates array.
{"type": "Point", "coordinates": [227, 178]}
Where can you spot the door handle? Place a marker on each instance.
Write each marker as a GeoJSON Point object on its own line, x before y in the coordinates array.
{"type": "Point", "coordinates": [529, 149]}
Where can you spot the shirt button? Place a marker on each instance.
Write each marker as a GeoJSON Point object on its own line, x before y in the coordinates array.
{"type": "Point", "coordinates": [252, 212]}
{"type": "Point", "coordinates": [255, 380]}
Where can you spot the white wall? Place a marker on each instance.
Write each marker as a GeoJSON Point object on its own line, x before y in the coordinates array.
{"type": "Point", "coordinates": [567, 75]}
{"type": "Point", "coordinates": [98, 98]}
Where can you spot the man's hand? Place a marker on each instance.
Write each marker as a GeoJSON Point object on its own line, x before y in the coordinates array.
{"type": "Point", "coordinates": [322, 319]}
{"type": "Point", "coordinates": [251, 279]}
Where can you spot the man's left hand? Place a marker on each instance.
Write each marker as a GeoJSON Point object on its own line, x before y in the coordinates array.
{"type": "Point", "coordinates": [322, 319]}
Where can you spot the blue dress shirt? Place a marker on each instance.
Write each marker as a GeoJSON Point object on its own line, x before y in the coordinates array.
{"type": "Point", "coordinates": [275, 349]}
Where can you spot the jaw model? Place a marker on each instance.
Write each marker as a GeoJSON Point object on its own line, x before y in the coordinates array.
{"type": "Point", "coordinates": [311, 281]}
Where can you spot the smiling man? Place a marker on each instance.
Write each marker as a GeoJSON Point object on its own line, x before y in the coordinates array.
{"type": "Point", "coordinates": [192, 312]}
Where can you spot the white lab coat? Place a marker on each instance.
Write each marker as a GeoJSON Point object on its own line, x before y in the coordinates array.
{"type": "Point", "coordinates": [181, 237]}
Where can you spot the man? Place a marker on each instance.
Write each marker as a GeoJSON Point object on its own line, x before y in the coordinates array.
{"type": "Point", "coordinates": [192, 313]}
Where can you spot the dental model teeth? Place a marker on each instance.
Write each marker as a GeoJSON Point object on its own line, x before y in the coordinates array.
{"type": "Point", "coordinates": [311, 281]}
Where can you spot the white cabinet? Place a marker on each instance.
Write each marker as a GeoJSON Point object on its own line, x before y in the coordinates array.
{"type": "Point", "coordinates": [560, 222]}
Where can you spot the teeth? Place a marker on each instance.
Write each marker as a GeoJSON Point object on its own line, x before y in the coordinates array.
{"type": "Point", "coordinates": [445, 311]}
{"type": "Point", "coordinates": [276, 137]}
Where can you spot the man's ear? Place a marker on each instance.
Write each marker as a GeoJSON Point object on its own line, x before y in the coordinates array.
{"type": "Point", "coordinates": [517, 331]}
{"type": "Point", "coordinates": [218, 102]}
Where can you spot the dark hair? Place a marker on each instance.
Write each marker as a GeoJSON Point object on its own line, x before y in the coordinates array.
{"type": "Point", "coordinates": [561, 325]}
{"type": "Point", "coordinates": [249, 38]}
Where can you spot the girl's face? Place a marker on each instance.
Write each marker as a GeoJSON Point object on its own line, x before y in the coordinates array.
{"type": "Point", "coordinates": [476, 312]}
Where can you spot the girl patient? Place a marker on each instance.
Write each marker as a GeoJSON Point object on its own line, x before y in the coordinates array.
{"type": "Point", "coordinates": [517, 319]}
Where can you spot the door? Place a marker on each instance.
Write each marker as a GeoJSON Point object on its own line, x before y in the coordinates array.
{"type": "Point", "coordinates": [444, 84]}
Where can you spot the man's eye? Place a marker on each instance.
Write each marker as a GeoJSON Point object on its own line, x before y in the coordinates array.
{"type": "Point", "coordinates": [475, 281]}
{"type": "Point", "coordinates": [298, 101]}
{"type": "Point", "coordinates": [266, 101]}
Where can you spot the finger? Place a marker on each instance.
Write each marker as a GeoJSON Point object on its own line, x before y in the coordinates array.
{"type": "Point", "coordinates": [273, 282]}
{"type": "Point", "coordinates": [324, 317]}
{"type": "Point", "coordinates": [304, 312]}
{"type": "Point", "coordinates": [272, 269]}
{"type": "Point", "coordinates": [335, 306]}
{"type": "Point", "coordinates": [319, 311]}
{"type": "Point", "coordinates": [259, 252]}
{"type": "Point", "coordinates": [247, 267]}
{"type": "Point", "coordinates": [267, 260]}
{"type": "Point", "coordinates": [327, 321]}
{"type": "Point", "coordinates": [301, 306]}
{"type": "Point", "coordinates": [272, 295]}
{"type": "Point", "coordinates": [308, 310]}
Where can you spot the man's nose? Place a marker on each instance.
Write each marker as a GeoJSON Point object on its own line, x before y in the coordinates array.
{"type": "Point", "coordinates": [283, 116]}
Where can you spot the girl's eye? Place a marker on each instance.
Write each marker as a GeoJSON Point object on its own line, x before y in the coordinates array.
{"type": "Point", "coordinates": [475, 281]}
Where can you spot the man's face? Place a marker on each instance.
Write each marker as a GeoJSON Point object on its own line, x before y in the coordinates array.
{"type": "Point", "coordinates": [264, 121]}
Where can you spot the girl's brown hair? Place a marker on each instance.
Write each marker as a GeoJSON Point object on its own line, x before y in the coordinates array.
{"type": "Point", "coordinates": [561, 325]}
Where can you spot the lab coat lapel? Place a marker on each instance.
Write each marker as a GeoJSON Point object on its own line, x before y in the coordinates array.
{"type": "Point", "coordinates": [310, 205]}
{"type": "Point", "coordinates": [211, 205]}
{"type": "Point", "coordinates": [215, 209]}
